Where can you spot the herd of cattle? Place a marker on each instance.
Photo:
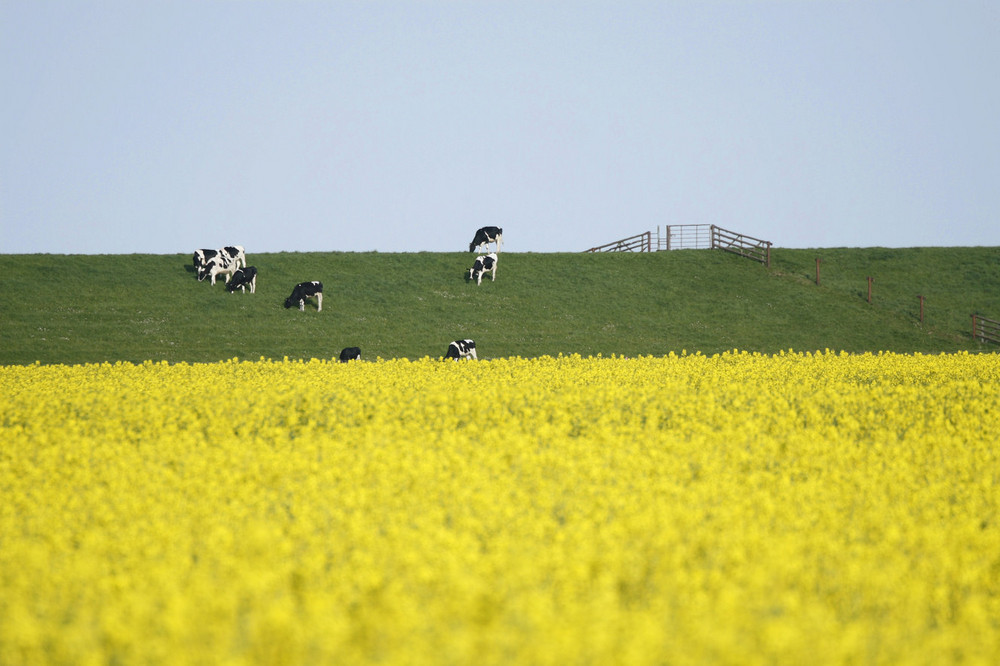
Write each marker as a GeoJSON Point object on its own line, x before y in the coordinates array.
{"type": "Point", "coordinates": [231, 263]}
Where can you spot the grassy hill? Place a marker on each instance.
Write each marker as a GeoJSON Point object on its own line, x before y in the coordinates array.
{"type": "Point", "coordinates": [83, 308]}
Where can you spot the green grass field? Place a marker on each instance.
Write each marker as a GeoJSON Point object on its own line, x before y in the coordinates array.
{"type": "Point", "coordinates": [92, 308]}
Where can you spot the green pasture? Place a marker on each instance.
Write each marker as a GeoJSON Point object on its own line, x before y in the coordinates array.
{"type": "Point", "coordinates": [92, 308]}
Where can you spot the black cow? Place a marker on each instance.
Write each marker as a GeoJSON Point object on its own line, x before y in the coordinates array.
{"type": "Point", "coordinates": [243, 278]}
{"type": "Point", "coordinates": [235, 252]}
{"type": "Point", "coordinates": [483, 264]}
{"type": "Point", "coordinates": [462, 349]}
{"type": "Point", "coordinates": [350, 354]}
{"type": "Point", "coordinates": [485, 236]}
{"type": "Point", "coordinates": [304, 290]}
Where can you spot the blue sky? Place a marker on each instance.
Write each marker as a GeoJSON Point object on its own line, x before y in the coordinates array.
{"type": "Point", "coordinates": [162, 127]}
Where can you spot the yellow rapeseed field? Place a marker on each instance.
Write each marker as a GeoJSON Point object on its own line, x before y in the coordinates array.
{"type": "Point", "coordinates": [798, 508]}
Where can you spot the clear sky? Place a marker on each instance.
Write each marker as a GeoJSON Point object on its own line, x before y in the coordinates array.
{"type": "Point", "coordinates": [166, 126]}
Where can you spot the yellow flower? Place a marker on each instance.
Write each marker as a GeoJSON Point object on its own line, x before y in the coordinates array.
{"type": "Point", "coordinates": [816, 507]}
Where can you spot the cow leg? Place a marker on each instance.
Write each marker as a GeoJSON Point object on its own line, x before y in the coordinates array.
{"type": "Point", "coordinates": [319, 302]}
{"type": "Point", "coordinates": [253, 285]}
{"type": "Point", "coordinates": [302, 305]}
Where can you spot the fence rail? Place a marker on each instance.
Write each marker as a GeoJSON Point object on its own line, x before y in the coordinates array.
{"type": "Point", "coordinates": [692, 237]}
{"type": "Point", "coordinates": [987, 330]}
{"type": "Point", "coordinates": [684, 237]}
{"type": "Point", "coordinates": [741, 244]}
{"type": "Point", "coordinates": [639, 243]}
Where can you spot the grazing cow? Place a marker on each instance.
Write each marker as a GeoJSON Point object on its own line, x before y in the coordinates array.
{"type": "Point", "coordinates": [485, 236]}
{"type": "Point", "coordinates": [235, 252]}
{"type": "Point", "coordinates": [304, 290]}
{"type": "Point", "coordinates": [243, 278]}
{"type": "Point", "coordinates": [462, 349]}
{"type": "Point", "coordinates": [221, 264]}
{"type": "Point", "coordinates": [484, 264]}
{"type": "Point", "coordinates": [350, 354]}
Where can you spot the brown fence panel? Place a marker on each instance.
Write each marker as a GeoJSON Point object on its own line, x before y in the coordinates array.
{"type": "Point", "coordinates": [987, 330]}
{"type": "Point", "coordinates": [639, 243]}
{"type": "Point", "coordinates": [741, 244]}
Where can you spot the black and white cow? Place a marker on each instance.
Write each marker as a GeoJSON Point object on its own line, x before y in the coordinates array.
{"type": "Point", "coordinates": [220, 264]}
{"type": "Point", "coordinates": [350, 354]}
{"type": "Point", "coordinates": [484, 237]}
{"type": "Point", "coordinates": [243, 278]}
{"type": "Point", "coordinates": [201, 256]}
{"type": "Point", "coordinates": [462, 349]}
{"type": "Point", "coordinates": [235, 252]}
{"type": "Point", "coordinates": [483, 264]}
{"type": "Point", "coordinates": [304, 290]}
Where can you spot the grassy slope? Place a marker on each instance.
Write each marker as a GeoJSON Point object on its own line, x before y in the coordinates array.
{"type": "Point", "coordinates": [76, 308]}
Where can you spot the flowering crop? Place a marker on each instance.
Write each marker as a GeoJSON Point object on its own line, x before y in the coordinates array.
{"type": "Point", "coordinates": [736, 509]}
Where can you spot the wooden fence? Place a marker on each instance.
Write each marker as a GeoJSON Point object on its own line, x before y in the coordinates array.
{"type": "Point", "coordinates": [985, 329]}
{"type": "Point", "coordinates": [741, 244]}
{"type": "Point", "coordinates": [639, 243]}
{"type": "Point", "coordinates": [690, 237]}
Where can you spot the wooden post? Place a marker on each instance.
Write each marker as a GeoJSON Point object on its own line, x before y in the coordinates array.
{"type": "Point", "coordinates": [921, 308]}
{"type": "Point", "coordinates": [870, 280]}
{"type": "Point", "coordinates": [817, 271]}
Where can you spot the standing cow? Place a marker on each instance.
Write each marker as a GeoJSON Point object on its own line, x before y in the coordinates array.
{"type": "Point", "coordinates": [304, 290]}
{"type": "Point", "coordinates": [220, 264]}
{"type": "Point", "coordinates": [462, 349]}
{"type": "Point", "coordinates": [483, 264]}
{"type": "Point", "coordinates": [484, 237]}
{"type": "Point", "coordinates": [234, 252]}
